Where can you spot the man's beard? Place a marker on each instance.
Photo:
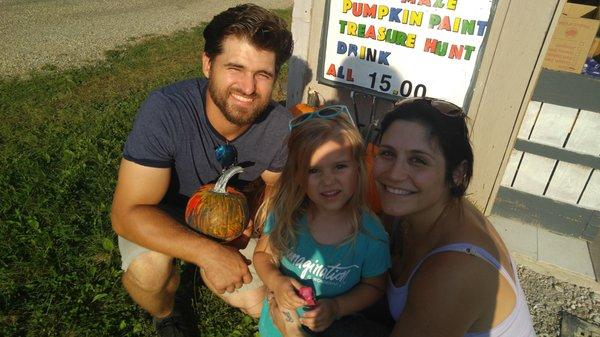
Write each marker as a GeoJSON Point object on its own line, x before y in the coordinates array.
{"type": "Point", "coordinates": [231, 113]}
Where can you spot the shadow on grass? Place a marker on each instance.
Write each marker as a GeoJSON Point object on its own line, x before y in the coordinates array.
{"type": "Point", "coordinates": [206, 311]}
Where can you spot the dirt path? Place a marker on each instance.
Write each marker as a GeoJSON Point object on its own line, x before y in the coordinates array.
{"type": "Point", "coordinates": [72, 32]}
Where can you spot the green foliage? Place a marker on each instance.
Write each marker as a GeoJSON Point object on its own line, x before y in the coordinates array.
{"type": "Point", "coordinates": [210, 311]}
{"type": "Point", "coordinates": [61, 139]}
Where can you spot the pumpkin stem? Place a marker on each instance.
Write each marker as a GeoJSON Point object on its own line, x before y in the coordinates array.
{"type": "Point", "coordinates": [221, 185]}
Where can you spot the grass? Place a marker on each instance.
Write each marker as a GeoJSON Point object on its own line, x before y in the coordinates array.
{"type": "Point", "coordinates": [61, 140]}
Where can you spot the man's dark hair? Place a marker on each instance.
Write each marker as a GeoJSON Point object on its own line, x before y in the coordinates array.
{"type": "Point", "coordinates": [264, 29]}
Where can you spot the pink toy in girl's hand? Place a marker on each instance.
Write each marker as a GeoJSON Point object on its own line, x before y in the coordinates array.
{"type": "Point", "coordinates": [307, 294]}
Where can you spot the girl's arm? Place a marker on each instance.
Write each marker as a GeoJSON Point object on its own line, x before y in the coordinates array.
{"type": "Point", "coordinates": [283, 287]}
{"type": "Point", "coordinates": [364, 294]}
{"type": "Point", "coordinates": [447, 296]}
{"type": "Point", "coordinates": [283, 307]}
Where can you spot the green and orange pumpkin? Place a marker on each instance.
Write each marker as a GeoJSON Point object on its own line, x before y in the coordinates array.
{"type": "Point", "coordinates": [217, 210]}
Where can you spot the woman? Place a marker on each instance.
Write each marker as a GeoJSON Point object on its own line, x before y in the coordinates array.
{"type": "Point", "coordinates": [451, 273]}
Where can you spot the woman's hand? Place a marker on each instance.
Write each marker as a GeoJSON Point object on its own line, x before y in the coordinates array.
{"type": "Point", "coordinates": [285, 293]}
{"type": "Point", "coordinates": [320, 318]}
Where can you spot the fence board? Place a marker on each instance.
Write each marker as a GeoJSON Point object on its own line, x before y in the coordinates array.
{"type": "Point", "coordinates": [544, 212]}
{"type": "Point", "coordinates": [567, 182]}
{"type": "Point", "coordinates": [568, 89]}
{"type": "Point", "coordinates": [591, 196]}
{"type": "Point", "coordinates": [533, 108]}
{"type": "Point", "coordinates": [558, 153]}
{"type": "Point", "coordinates": [585, 137]}
{"type": "Point", "coordinates": [533, 174]}
{"type": "Point", "coordinates": [553, 124]}
{"type": "Point", "coordinates": [511, 168]}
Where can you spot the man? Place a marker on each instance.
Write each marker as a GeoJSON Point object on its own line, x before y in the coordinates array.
{"type": "Point", "coordinates": [170, 152]}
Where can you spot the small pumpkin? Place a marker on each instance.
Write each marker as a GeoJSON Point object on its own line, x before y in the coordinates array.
{"type": "Point", "coordinates": [217, 210]}
{"type": "Point", "coordinates": [373, 198]}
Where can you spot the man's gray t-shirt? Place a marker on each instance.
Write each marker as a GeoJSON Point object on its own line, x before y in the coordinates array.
{"type": "Point", "coordinates": [171, 130]}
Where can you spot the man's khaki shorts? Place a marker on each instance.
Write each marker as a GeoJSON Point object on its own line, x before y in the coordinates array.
{"type": "Point", "coordinates": [130, 251]}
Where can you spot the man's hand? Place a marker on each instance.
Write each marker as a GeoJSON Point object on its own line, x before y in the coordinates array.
{"type": "Point", "coordinates": [225, 269]}
{"type": "Point", "coordinates": [321, 317]}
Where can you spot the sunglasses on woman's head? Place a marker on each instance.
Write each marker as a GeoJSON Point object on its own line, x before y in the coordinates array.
{"type": "Point", "coordinates": [226, 155]}
{"type": "Point", "coordinates": [445, 108]}
{"type": "Point", "coordinates": [329, 112]}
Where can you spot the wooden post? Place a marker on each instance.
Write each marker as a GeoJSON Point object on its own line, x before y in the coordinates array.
{"type": "Point", "coordinates": [507, 76]}
{"type": "Point", "coordinates": [298, 64]}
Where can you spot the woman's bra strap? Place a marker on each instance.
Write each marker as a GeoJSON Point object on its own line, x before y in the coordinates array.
{"type": "Point", "coordinates": [470, 249]}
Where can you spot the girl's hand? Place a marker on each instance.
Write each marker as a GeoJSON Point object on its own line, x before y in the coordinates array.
{"type": "Point", "coordinates": [285, 293]}
{"type": "Point", "coordinates": [323, 314]}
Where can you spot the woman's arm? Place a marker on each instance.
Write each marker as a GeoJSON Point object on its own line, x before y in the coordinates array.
{"type": "Point", "coordinates": [447, 295]}
{"type": "Point", "coordinates": [364, 294]}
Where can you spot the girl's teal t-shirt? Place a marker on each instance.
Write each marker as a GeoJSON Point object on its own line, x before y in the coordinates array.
{"type": "Point", "coordinates": [331, 270]}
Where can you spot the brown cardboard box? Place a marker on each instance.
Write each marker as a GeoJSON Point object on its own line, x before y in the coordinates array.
{"type": "Point", "coordinates": [572, 38]}
{"type": "Point", "coordinates": [595, 49]}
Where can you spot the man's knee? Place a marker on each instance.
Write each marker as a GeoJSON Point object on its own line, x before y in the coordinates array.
{"type": "Point", "coordinates": [150, 272]}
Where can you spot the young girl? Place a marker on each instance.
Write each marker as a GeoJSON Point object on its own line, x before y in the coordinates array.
{"type": "Point", "coordinates": [319, 232]}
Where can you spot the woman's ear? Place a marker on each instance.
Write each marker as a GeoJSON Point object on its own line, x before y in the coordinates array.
{"type": "Point", "coordinates": [459, 176]}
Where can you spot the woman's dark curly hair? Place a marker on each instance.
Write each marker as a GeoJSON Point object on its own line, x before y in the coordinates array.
{"type": "Point", "coordinates": [447, 124]}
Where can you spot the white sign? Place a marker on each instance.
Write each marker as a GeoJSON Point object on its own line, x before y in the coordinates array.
{"type": "Point", "coordinates": [404, 48]}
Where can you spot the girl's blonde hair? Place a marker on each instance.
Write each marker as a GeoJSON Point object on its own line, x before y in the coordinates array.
{"type": "Point", "coordinates": [289, 202]}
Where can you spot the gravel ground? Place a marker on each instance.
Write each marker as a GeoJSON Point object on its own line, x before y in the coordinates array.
{"type": "Point", "coordinates": [67, 33]}
{"type": "Point", "coordinates": [547, 297]}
